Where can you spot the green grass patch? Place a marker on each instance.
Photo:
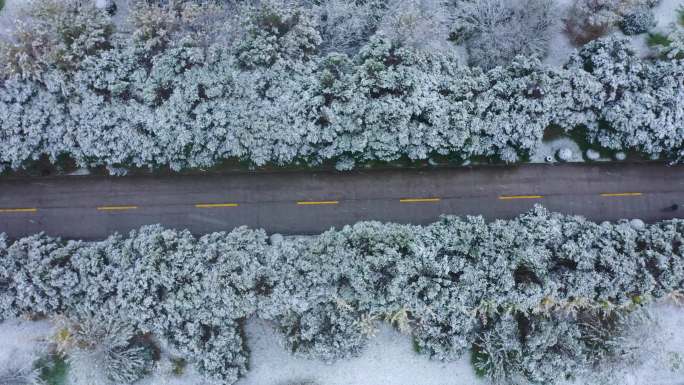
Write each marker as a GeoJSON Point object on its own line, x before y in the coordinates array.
{"type": "Point", "coordinates": [2, 4]}
{"type": "Point", "coordinates": [53, 369]}
{"type": "Point", "coordinates": [477, 357]}
{"type": "Point", "coordinates": [416, 345]}
{"type": "Point", "coordinates": [179, 365]}
{"type": "Point", "coordinates": [655, 39]}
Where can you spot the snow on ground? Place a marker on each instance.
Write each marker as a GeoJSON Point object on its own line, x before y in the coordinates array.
{"type": "Point", "coordinates": [388, 360]}
{"type": "Point", "coordinates": [22, 341]}
{"type": "Point", "coordinates": [560, 47]}
{"type": "Point", "coordinates": [8, 15]}
{"type": "Point", "coordinates": [666, 13]}
{"type": "Point", "coordinates": [664, 366]}
{"type": "Point", "coordinates": [550, 149]}
{"type": "Point", "coordinates": [662, 358]}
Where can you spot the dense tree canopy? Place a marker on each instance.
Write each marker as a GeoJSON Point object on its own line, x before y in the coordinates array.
{"type": "Point", "coordinates": [188, 85]}
{"type": "Point", "coordinates": [538, 297]}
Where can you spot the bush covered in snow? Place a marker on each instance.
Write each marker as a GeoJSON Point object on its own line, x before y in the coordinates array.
{"type": "Point", "coordinates": [638, 20]}
{"type": "Point", "coordinates": [102, 351]}
{"type": "Point", "coordinates": [641, 106]}
{"type": "Point", "coordinates": [588, 20]}
{"type": "Point", "coordinates": [496, 31]}
{"type": "Point", "coordinates": [537, 297]}
{"type": "Point", "coordinates": [193, 83]}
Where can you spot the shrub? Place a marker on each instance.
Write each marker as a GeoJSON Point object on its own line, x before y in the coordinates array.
{"type": "Point", "coordinates": [675, 47]}
{"type": "Point", "coordinates": [160, 26]}
{"type": "Point", "coordinates": [657, 39]}
{"type": "Point", "coordinates": [418, 24]}
{"type": "Point", "coordinates": [60, 33]}
{"type": "Point", "coordinates": [36, 276]}
{"type": "Point", "coordinates": [344, 26]}
{"type": "Point", "coordinates": [277, 33]}
{"type": "Point", "coordinates": [102, 351]}
{"type": "Point", "coordinates": [588, 20]}
{"type": "Point", "coordinates": [637, 21]}
{"type": "Point", "coordinates": [496, 31]}
{"type": "Point", "coordinates": [53, 369]}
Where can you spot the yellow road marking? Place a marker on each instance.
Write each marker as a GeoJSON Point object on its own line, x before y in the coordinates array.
{"type": "Point", "coordinates": [313, 203]}
{"type": "Point", "coordinates": [419, 200]}
{"type": "Point", "coordinates": [511, 197]}
{"type": "Point", "coordinates": [629, 194]}
{"type": "Point", "coordinates": [21, 210]}
{"type": "Point", "coordinates": [215, 205]}
{"type": "Point", "coordinates": [116, 208]}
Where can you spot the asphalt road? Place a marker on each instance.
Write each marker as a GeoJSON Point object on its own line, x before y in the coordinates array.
{"type": "Point", "coordinates": [88, 207]}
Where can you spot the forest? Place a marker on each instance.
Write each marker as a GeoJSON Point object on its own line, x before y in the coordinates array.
{"type": "Point", "coordinates": [538, 299]}
{"type": "Point", "coordinates": [189, 84]}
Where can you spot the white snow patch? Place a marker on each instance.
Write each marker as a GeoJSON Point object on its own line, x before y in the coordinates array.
{"type": "Point", "coordinates": [388, 360]}
{"type": "Point", "coordinates": [80, 171]}
{"type": "Point", "coordinates": [666, 366]}
{"type": "Point", "coordinates": [640, 45]}
{"type": "Point", "coordinates": [666, 13]}
{"type": "Point", "coordinates": [22, 341]}
{"type": "Point", "coordinates": [592, 154]}
{"type": "Point", "coordinates": [549, 149]}
{"type": "Point", "coordinates": [560, 47]}
{"type": "Point", "coordinates": [661, 361]}
{"type": "Point", "coordinates": [8, 16]}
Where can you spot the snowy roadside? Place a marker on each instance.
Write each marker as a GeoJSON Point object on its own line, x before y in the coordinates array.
{"type": "Point", "coordinates": [389, 358]}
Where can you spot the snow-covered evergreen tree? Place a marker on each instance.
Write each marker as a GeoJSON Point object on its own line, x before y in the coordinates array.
{"type": "Point", "coordinates": [496, 31]}
{"type": "Point", "coordinates": [641, 107]}
{"type": "Point", "coordinates": [537, 297]}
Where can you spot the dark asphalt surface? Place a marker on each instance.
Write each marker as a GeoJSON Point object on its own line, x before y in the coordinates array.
{"type": "Point", "coordinates": [88, 207]}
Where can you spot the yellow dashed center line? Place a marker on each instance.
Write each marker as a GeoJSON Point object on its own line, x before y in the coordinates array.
{"type": "Point", "coordinates": [419, 200]}
{"type": "Point", "coordinates": [314, 203]}
{"type": "Point", "coordinates": [215, 205]}
{"type": "Point", "coordinates": [511, 197]}
{"type": "Point", "coordinates": [19, 210]}
{"type": "Point", "coordinates": [629, 194]}
{"type": "Point", "coordinates": [116, 208]}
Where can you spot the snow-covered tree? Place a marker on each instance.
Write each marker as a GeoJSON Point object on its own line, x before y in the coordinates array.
{"type": "Point", "coordinates": [344, 26]}
{"type": "Point", "coordinates": [638, 20]}
{"type": "Point", "coordinates": [539, 298]}
{"type": "Point", "coordinates": [641, 107]}
{"type": "Point", "coordinates": [496, 31]}
{"type": "Point", "coordinates": [101, 350]}
{"type": "Point", "coordinates": [396, 105]}
{"type": "Point", "coordinates": [591, 19]}
{"type": "Point", "coordinates": [36, 276]}
{"type": "Point", "coordinates": [57, 33]}
{"type": "Point", "coordinates": [418, 24]}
